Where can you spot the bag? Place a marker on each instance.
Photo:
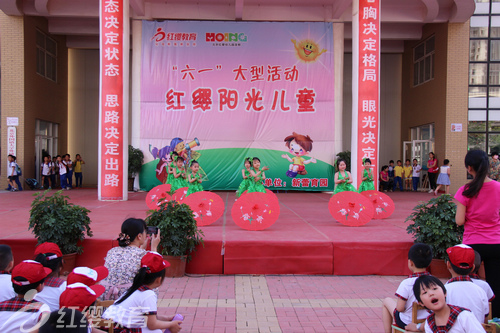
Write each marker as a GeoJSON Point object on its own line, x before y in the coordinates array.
{"type": "Point", "coordinates": [18, 170]}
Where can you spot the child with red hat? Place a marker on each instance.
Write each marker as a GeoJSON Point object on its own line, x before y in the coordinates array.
{"type": "Point", "coordinates": [22, 313]}
{"type": "Point", "coordinates": [6, 265]}
{"type": "Point", "coordinates": [137, 308]}
{"type": "Point", "coordinates": [50, 256]}
{"type": "Point", "coordinates": [461, 291]}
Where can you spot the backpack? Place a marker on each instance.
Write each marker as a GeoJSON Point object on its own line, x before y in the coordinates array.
{"type": "Point", "coordinates": [18, 170]}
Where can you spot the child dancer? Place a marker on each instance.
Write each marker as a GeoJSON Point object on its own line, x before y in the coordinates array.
{"type": "Point", "coordinates": [170, 169]}
{"type": "Point", "coordinates": [194, 179]}
{"type": "Point", "coordinates": [367, 179]}
{"type": "Point", "coordinates": [444, 177]}
{"type": "Point", "coordinates": [137, 308]}
{"type": "Point", "coordinates": [343, 180]}
{"type": "Point", "coordinates": [179, 175]}
{"type": "Point", "coordinates": [247, 180]}
{"type": "Point", "coordinates": [258, 176]}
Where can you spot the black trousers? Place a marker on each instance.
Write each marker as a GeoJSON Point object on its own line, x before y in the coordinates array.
{"type": "Point", "coordinates": [432, 179]}
{"type": "Point", "coordinates": [490, 254]}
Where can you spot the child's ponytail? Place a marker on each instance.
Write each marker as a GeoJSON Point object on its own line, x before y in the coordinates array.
{"type": "Point", "coordinates": [141, 278]}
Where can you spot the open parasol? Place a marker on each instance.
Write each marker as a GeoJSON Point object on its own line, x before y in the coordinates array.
{"type": "Point", "coordinates": [382, 203]}
{"type": "Point", "coordinates": [351, 208]}
{"type": "Point", "coordinates": [207, 207]}
{"type": "Point", "coordinates": [157, 195]}
{"type": "Point", "coordinates": [180, 194]}
{"type": "Point", "coordinates": [255, 211]}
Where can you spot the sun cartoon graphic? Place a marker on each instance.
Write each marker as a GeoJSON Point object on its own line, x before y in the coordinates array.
{"type": "Point", "coordinates": [307, 50]}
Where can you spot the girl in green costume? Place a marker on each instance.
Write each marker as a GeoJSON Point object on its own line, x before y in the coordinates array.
{"type": "Point", "coordinates": [247, 180]}
{"type": "Point", "coordinates": [179, 175]}
{"type": "Point", "coordinates": [194, 179]}
{"type": "Point", "coordinates": [170, 169]}
{"type": "Point", "coordinates": [257, 176]}
{"type": "Point", "coordinates": [343, 180]}
{"type": "Point", "coordinates": [367, 179]}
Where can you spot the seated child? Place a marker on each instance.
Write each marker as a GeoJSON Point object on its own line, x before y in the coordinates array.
{"type": "Point", "coordinates": [419, 258]}
{"type": "Point", "coordinates": [461, 290]}
{"type": "Point", "coordinates": [477, 280]}
{"type": "Point", "coordinates": [431, 293]}
{"type": "Point", "coordinates": [87, 276]}
{"type": "Point", "coordinates": [137, 308]}
{"type": "Point", "coordinates": [6, 265]}
{"type": "Point", "coordinates": [21, 313]}
{"type": "Point", "coordinates": [50, 256]}
{"type": "Point", "coordinates": [65, 321]}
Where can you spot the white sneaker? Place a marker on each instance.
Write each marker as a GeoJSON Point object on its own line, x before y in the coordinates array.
{"type": "Point", "coordinates": [431, 191]}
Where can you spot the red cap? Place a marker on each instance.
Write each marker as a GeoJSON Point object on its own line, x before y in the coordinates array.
{"type": "Point", "coordinates": [461, 255]}
{"type": "Point", "coordinates": [48, 247]}
{"type": "Point", "coordinates": [78, 295]}
{"type": "Point", "coordinates": [154, 262]}
{"type": "Point", "coordinates": [31, 270]}
{"type": "Point", "coordinates": [87, 276]}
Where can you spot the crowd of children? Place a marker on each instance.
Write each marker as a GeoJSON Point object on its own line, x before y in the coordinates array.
{"type": "Point", "coordinates": [460, 305]}
{"type": "Point", "coordinates": [33, 298]}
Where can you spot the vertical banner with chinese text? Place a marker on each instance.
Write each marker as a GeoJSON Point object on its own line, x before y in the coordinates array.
{"type": "Point", "coordinates": [113, 71]}
{"type": "Point", "coordinates": [368, 87]}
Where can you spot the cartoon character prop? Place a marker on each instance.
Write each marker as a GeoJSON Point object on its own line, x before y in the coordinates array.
{"type": "Point", "coordinates": [307, 50]}
{"type": "Point", "coordinates": [298, 146]}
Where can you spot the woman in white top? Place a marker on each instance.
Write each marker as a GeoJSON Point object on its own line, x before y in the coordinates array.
{"type": "Point", "coordinates": [444, 177]}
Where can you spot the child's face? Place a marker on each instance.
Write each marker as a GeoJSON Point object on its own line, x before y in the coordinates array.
{"type": "Point", "coordinates": [399, 163]}
{"type": "Point", "coordinates": [296, 149]}
{"type": "Point", "coordinates": [414, 162]}
{"type": "Point", "coordinates": [247, 165]}
{"type": "Point", "coordinates": [9, 158]}
{"type": "Point", "coordinates": [195, 167]}
{"type": "Point", "coordinates": [45, 159]}
{"type": "Point", "coordinates": [180, 146]}
{"type": "Point", "coordinates": [256, 164]}
{"type": "Point", "coordinates": [180, 163]}
{"type": "Point", "coordinates": [407, 162]}
{"type": "Point", "coordinates": [367, 165]}
{"type": "Point", "coordinates": [433, 298]}
{"type": "Point", "coordinates": [342, 166]}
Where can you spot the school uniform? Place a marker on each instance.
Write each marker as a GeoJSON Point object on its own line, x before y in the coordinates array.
{"type": "Point", "coordinates": [415, 177]}
{"type": "Point", "coordinates": [131, 313]}
{"type": "Point", "coordinates": [18, 315]}
{"type": "Point", "coordinates": [6, 290]}
{"type": "Point", "coordinates": [63, 174]}
{"type": "Point", "coordinates": [53, 287]}
{"type": "Point", "coordinates": [486, 287]}
{"type": "Point", "coordinates": [405, 292]}
{"type": "Point", "coordinates": [461, 291]}
{"type": "Point", "coordinates": [460, 321]}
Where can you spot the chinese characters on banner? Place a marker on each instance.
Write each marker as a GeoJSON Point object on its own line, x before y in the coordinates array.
{"type": "Point", "coordinates": [368, 85]}
{"type": "Point", "coordinates": [11, 141]}
{"type": "Point", "coordinates": [111, 100]}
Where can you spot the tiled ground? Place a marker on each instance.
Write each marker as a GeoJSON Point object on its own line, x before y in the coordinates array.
{"type": "Point", "coordinates": [278, 303]}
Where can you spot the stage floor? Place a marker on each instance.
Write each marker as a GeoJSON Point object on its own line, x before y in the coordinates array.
{"type": "Point", "coordinates": [304, 240]}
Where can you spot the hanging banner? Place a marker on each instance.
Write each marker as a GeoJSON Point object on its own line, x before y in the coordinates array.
{"type": "Point", "coordinates": [11, 141]}
{"type": "Point", "coordinates": [111, 173]}
{"type": "Point", "coordinates": [218, 92]}
{"type": "Point", "coordinates": [368, 86]}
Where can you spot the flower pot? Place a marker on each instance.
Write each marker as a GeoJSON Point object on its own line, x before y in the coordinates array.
{"type": "Point", "coordinates": [177, 266]}
{"type": "Point", "coordinates": [69, 263]}
{"type": "Point", "coordinates": [438, 269]}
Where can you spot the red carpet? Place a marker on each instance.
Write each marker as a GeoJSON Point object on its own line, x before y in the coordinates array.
{"type": "Point", "coordinates": [304, 240]}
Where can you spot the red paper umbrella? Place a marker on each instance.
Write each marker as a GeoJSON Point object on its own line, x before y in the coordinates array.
{"type": "Point", "coordinates": [271, 196]}
{"type": "Point", "coordinates": [351, 208]}
{"type": "Point", "coordinates": [382, 203]}
{"type": "Point", "coordinates": [254, 211]}
{"type": "Point", "coordinates": [180, 194]}
{"type": "Point", "coordinates": [207, 207]}
{"type": "Point", "coordinates": [157, 195]}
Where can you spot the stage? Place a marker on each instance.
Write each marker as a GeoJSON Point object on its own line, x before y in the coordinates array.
{"type": "Point", "coordinates": [304, 240]}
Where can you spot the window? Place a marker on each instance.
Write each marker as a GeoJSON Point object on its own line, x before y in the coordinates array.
{"type": "Point", "coordinates": [46, 56]}
{"type": "Point", "coordinates": [423, 62]}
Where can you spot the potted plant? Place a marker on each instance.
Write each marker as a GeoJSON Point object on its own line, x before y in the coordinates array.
{"type": "Point", "coordinates": [179, 234]}
{"type": "Point", "coordinates": [433, 223]}
{"type": "Point", "coordinates": [135, 160]}
{"type": "Point", "coordinates": [54, 219]}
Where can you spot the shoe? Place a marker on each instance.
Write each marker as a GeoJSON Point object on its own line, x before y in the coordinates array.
{"type": "Point", "coordinates": [50, 188]}
{"type": "Point", "coordinates": [430, 191]}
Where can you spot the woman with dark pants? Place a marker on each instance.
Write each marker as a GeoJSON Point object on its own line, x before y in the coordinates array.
{"type": "Point", "coordinates": [432, 171]}
{"type": "Point", "coordinates": [478, 207]}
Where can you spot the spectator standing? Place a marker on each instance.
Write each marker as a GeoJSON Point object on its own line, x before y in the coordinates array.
{"type": "Point", "coordinates": [78, 171]}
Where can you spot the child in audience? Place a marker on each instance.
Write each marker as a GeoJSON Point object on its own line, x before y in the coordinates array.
{"type": "Point", "coordinates": [444, 177]}
{"type": "Point", "coordinates": [391, 174]}
{"type": "Point", "coordinates": [431, 293]}
{"type": "Point", "coordinates": [419, 258]}
{"type": "Point", "coordinates": [87, 276]}
{"type": "Point", "coordinates": [50, 256]}
{"type": "Point", "coordinates": [398, 176]}
{"type": "Point", "coordinates": [45, 171]}
{"type": "Point", "coordinates": [66, 321]}
{"type": "Point", "coordinates": [407, 170]}
{"type": "Point", "coordinates": [21, 313]}
{"type": "Point", "coordinates": [384, 177]}
{"type": "Point", "coordinates": [6, 265]}
{"type": "Point", "coordinates": [461, 290]}
{"type": "Point", "coordinates": [415, 177]}
{"type": "Point", "coordinates": [477, 280]}
{"type": "Point", "coordinates": [138, 306]}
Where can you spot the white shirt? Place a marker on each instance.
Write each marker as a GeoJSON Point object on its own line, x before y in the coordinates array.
{"type": "Point", "coordinates": [465, 323]}
{"type": "Point", "coordinates": [50, 296]}
{"type": "Point", "coordinates": [6, 290]}
{"type": "Point", "coordinates": [486, 287]}
{"type": "Point", "coordinates": [130, 313]}
{"type": "Point", "coordinates": [405, 292]}
{"type": "Point", "coordinates": [20, 321]}
{"type": "Point", "coordinates": [444, 169]}
{"type": "Point", "coordinates": [62, 168]}
{"type": "Point", "coordinates": [416, 170]}
{"type": "Point", "coordinates": [69, 164]}
{"type": "Point", "coordinates": [12, 169]}
{"type": "Point", "coordinates": [468, 295]}
{"type": "Point", "coordinates": [45, 169]}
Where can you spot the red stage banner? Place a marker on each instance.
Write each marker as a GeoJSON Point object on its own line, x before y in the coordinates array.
{"type": "Point", "coordinates": [111, 115]}
{"type": "Point", "coordinates": [368, 86]}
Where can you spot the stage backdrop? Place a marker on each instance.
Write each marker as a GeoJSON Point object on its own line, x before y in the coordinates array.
{"type": "Point", "coordinates": [218, 92]}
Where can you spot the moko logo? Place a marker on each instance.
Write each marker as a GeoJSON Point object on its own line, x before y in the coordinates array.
{"type": "Point", "coordinates": [225, 37]}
